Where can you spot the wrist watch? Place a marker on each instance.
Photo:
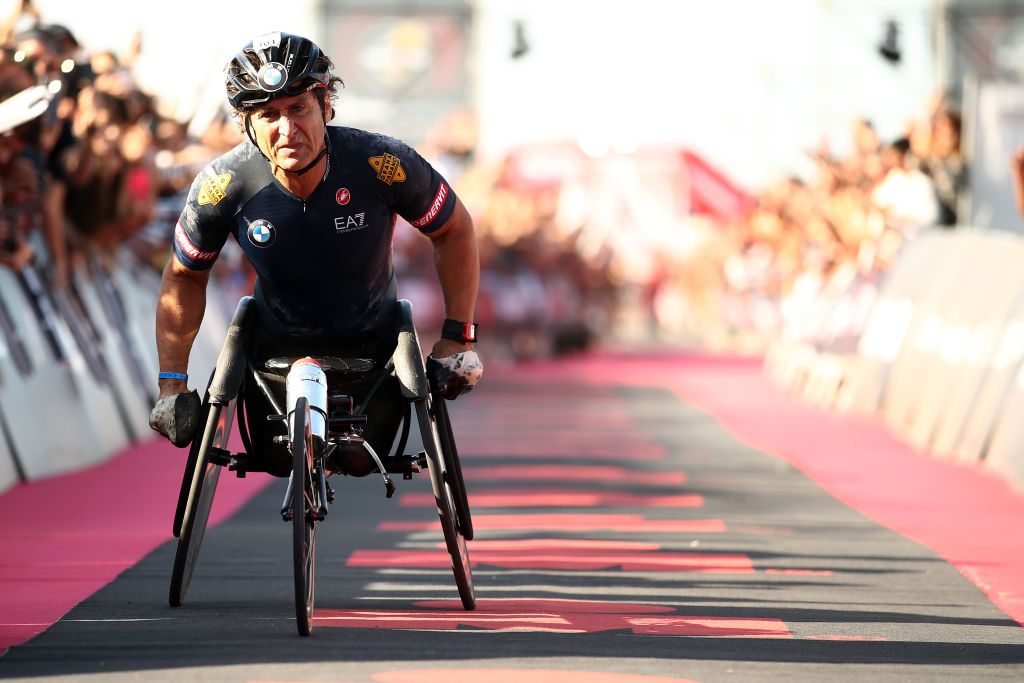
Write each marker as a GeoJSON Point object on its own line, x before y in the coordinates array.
{"type": "Point", "coordinates": [456, 330]}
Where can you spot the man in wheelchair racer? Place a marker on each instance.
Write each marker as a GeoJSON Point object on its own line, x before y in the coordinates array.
{"type": "Point", "coordinates": [314, 209]}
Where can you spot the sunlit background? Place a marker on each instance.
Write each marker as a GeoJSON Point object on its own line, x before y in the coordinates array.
{"type": "Point", "coordinates": [751, 85]}
{"type": "Point", "coordinates": [688, 173]}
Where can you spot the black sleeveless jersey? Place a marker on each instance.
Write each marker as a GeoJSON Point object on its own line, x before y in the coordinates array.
{"type": "Point", "coordinates": [323, 264]}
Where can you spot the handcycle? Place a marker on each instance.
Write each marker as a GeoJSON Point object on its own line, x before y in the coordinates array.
{"type": "Point", "coordinates": [323, 412]}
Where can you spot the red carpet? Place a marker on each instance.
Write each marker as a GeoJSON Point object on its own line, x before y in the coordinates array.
{"type": "Point", "coordinates": [64, 538]}
{"type": "Point", "coordinates": [963, 513]}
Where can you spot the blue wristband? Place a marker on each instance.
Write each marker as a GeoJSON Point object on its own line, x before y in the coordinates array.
{"type": "Point", "coordinates": [174, 375]}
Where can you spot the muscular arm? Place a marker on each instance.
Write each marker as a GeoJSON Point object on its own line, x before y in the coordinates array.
{"type": "Point", "coordinates": [458, 270]}
{"type": "Point", "coordinates": [179, 313]}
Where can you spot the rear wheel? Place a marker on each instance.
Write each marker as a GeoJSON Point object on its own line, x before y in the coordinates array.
{"type": "Point", "coordinates": [304, 510]}
{"type": "Point", "coordinates": [195, 503]}
{"type": "Point", "coordinates": [454, 540]}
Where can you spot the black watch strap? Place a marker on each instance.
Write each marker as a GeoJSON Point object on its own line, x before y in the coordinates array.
{"type": "Point", "coordinates": [456, 330]}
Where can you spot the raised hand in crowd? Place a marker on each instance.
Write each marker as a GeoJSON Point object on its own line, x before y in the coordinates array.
{"type": "Point", "coordinates": [1017, 177]}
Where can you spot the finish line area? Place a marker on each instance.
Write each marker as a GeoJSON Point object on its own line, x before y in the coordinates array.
{"type": "Point", "coordinates": [648, 518]}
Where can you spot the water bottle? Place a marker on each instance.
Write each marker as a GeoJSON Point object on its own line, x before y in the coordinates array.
{"type": "Point", "coordinates": [306, 378]}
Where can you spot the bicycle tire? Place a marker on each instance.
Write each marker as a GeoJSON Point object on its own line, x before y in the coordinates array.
{"type": "Point", "coordinates": [452, 466]}
{"type": "Point", "coordinates": [190, 464]}
{"type": "Point", "coordinates": [454, 540]}
{"type": "Point", "coordinates": [304, 506]}
{"type": "Point", "coordinates": [205, 476]}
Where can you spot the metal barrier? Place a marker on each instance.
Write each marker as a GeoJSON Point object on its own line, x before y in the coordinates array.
{"type": "Point", "coordinates": [78, 368]}
{"type": "Point", "coordinates": [939, 358]}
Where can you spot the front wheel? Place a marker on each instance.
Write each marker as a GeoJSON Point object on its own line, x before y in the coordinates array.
{"type": "Point", "coordinates": [454, 540]}
{"type": "Point", "coordinates": [197, 498]}
{"type": "Point", "coordinates": [304, 510]}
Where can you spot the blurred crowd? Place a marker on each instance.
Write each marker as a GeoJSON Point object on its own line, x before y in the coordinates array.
{"type": "Point", "coordinates": [807, 260]}
{"type": "Point", "coordinates": [542, 291]}
{"type": "Point", "coordinates": [636, 247]}
{"type": "Point", "coordinates": [86, 155]}
{"type": "Point", "coordinates": [91, 166]}
{"type": "Point", "coordinates": [575, 247]}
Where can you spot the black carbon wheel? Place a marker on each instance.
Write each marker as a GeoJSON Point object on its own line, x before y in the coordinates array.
{"type": "Point", "coordinates": [454, 540]}
{"type": "Point", "coordinates": [196, 502]}
{"type": "Point", "coordinates": [304, 508]}
{"type": "Point", "coordinates": [452, 466]}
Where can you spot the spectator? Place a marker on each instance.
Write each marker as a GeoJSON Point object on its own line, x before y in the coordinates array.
{"type": "Point", "coordinates": [1017, 177]}
{"type": "Point", "coordinates": [946, 166]}
{"type": "Point", "coordinates": [906, 195]}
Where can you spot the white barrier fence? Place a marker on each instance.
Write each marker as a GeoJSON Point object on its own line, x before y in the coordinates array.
{"type": "Point", "coordinates": [78, 368]}
{"type": "Point", "coordinates": [939, 358]}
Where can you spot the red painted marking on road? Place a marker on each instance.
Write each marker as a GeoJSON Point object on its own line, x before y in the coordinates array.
{"type": "Point", "coordinates": [555, 428]}
{"type": "Point", "coordinates": [538, 448]}
{"type": "Point", "coordinates": [566, 544]}
{"type": "Point", "coordinates": [515, 498]}
{"type": "Point", "coordinates": [560, 605]}
{"type": "Point", "coordinates": [549, 419]}
{"type": "Point", "coordinates": [595, 437]}
{"type": "Point", "coordinates": [562, 522]}
{"type": "Point", "coordinates": [857, 460]}
{"type": "Point", "coordinates": [569, 560]}
{"type": "Point", "coordinates": [516, 676]}
{"type": "Point", "coordinates": [64, 538]}
{"type": "Point", "coordinates": [574, 473]}
{"type": "Point", "coordinates": [558, 616]}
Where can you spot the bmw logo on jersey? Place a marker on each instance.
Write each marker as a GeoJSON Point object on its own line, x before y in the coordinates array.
{"type": "Point", "coordinates": [262, 233]}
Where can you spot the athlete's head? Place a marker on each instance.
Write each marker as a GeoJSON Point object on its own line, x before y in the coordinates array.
{"type": "Point", "coordinates": [276, 64]}
{"type": "Point", "coordinates": [281, 87]}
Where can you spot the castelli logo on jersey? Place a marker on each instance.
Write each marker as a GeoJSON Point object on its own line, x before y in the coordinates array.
{"type": "Point", "coordinates": [262, 233]}
{"type": "Point", "coordinates": [343, 195]}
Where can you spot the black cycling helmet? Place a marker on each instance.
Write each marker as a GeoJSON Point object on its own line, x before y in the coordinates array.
{"type": "Point", "coordinates": [274, 64]}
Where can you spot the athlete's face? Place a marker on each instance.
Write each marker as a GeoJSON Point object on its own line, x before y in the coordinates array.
{"type": "Point", "coordinates": [290, 130]}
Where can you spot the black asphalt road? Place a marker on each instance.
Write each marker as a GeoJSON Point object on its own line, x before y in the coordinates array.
{"type": "Point", "coordinates": [598, 557]}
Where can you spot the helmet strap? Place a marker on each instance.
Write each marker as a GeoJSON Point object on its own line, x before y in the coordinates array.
{"type": "Point", "coordinates": [321, 155]}
{"type": "Point", "coordinates": [252, 136]}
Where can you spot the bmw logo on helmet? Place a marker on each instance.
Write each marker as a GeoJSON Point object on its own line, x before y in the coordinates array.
{"type": "Point", "coordinates": [262, 233]}
{"type": "Point", "coordinates": [272, 76]}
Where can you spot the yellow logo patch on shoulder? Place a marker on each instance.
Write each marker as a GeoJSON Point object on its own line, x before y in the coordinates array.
{"type": "Point", "coordinates": [213, 188]}
{"type": "Point", "coordinates": [388, 167]}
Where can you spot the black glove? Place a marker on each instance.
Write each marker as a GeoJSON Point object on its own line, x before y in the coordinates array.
{"type": "Point", "coordinates": [177, 417]}
{"type": "Point", "coordinates": [454, 375]}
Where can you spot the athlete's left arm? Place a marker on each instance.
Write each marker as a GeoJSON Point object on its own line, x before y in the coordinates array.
{"type": "Point", "coordinates": [458, 270]}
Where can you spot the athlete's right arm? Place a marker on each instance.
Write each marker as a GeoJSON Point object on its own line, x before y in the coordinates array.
{"type": "Point", "coordinates": [198, 237]}
{"type": "Point", "coordinates": [179, 313]}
